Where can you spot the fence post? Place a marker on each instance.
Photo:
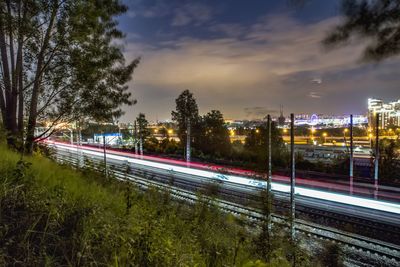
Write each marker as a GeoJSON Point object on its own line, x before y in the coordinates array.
{"type": "Point", "coordinates": [351, 154]}
{"type": "Point", "coordinates": [105, 157]}
{"type": "Point", "coordinates": [188, 141]}
{"type": "Point", "coordinates": [376, 165]}
{"type": "Point", "coordinates": [292, 178]}
{"type": "Point", "coordinates": [269, 178]}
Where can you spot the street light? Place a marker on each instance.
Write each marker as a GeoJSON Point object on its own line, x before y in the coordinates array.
{"type": "Point", "coordinates": [312, 134]}
{"type": "Point", "coordinates": [257, 131]}
{"type": "Point", "coordinates": [170, 131]}
{"type": "Point", "coordinates": [344, 135]}
{"type": "Point", "coordinates": [324, 135]}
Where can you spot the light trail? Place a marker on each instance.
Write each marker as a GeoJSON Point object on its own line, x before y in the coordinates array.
{"type": "Point", "coordinates": [362, 190]}
{"type": "Point", "coordinates": [302, 191]}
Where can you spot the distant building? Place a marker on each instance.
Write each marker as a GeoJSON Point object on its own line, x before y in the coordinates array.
{"type": "Point", "coordinates": [329, 121]}
{"type": "Point", "coordinates": [389, 113]}
{"type": "Point", "coordinates": [109, 138]}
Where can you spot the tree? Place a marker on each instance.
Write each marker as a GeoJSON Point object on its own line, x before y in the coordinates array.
{"type": "Point", "coordinates": [90, 129]}
{"type": "Point", "coordinates": [378, 21]}
{"type": "Point", "coordinates": [256, 142]}
{"type": "Point", "coordinates": [389, 165]}
{"type": "Point", "coordinates": [186, 112]}
{"type": "Point", "coordinates": [60, 63]}
{"type": "Point", "coordinates": [143, 130]}
{"type": "Point", "coordinates": [215, 136]}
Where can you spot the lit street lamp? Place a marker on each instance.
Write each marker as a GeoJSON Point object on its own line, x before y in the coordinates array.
{"type": "Point", "coordinates": [312, 134]}
{"type": "Point", "coordinates": [324, 135]}
{"type": "Point", "coordinates": [344, 136]}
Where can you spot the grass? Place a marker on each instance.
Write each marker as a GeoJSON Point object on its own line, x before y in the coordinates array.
{"type": "Point", "coordinates": [53, 215]}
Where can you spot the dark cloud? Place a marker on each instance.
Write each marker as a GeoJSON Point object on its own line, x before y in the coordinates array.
{"type": "Point", "coordinates": [274, 60]}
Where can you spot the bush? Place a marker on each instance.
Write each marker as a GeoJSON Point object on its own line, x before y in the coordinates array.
{"type": "Point", "coordinates": [53, 215]}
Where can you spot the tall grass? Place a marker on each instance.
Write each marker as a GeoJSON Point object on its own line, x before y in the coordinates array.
{"type": "Point", "coordinates": [53, 215]}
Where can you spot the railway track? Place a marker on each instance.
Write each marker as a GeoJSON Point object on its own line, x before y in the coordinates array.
{"type": "Point", "coordinates": [187, 192]}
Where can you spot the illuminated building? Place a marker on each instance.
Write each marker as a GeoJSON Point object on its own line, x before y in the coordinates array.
{"type": "Point", "coordinates": [329, 121]}
{"type": "Point", "coordinates": [109, 138]}
{"type": "Point", "coordinates": [389, 113]}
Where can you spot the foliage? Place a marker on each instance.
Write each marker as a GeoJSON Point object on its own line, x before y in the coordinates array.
{"type": "Point", "coordinates": [60, 63]}
{"type": "Point", "coordinates": [213, 136]}
{"type": "Point", "coordinates": [389, 161]}
{"type": "Point", "coordinates": [186, 112]}
{"type": "Point", "coordinates": [52, 215]}
{"type": "Point", "coordinates": [165, 146]}
{"type": "Point", "coordinates": [142, 126]}
{"type": "Point", "coordinates": [91, 128]}
{"type": "Point", "coordinates": [256, 142]}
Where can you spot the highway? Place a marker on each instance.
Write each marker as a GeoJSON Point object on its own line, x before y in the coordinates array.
{"type": "Point", "coordinates": [383, 216]}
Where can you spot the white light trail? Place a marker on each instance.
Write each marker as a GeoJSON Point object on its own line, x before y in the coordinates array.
{"type": "Point", "coordinates": [312, 193]}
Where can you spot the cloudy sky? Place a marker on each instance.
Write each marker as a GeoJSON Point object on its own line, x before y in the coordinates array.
{"type": "Point", "coordinates": [246, 58]}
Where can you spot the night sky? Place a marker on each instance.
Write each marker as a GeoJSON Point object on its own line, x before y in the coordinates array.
{"type": "Point", "coordinates": [245, 58]}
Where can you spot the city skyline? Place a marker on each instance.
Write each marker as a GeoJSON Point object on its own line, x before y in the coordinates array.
{"type": "Point", "coordinates": [247, 60]}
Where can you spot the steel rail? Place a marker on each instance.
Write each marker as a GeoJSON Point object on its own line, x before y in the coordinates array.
{"type": "Point", "coordinates": [350, 240]}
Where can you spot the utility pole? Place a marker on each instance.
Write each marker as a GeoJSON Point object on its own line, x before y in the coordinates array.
{"type": "Point", "coordinates": [78, 158]}
{"type": "Point", "coordinates": [119, 136]}
{"type": "Point", "coordinates": [292, 178]}
{"type": "Point", "coordinates": [80, 143]}
{"type": "Point", "coordinates": [140, 142]}
{"type": "Point", "coordinates": [80, 133]}
{"type": "Point", "coordinates": [71, 136]}
{"type": "Point", "coordinates": [376, 165]}
{"type": "Point", "coordinates": [351, 154]}
{"type": "Point", "coordinates": [188, 141]}
{"type": "Point", "coordinates": [135, 138]}
{"type": "Point", "coordinates": [269, 179]}
{"type": "Point", "coordinates": [105, 157]}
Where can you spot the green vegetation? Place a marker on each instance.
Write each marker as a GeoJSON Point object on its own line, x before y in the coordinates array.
{"type": "Point", "coordinates": [53, 215]}
{"type": "Point", "coordinates": [210, 140]}
{"type": "Point", "coordinates": [389, 163]}
{"type": "Point", "coordinates": [60, 63]}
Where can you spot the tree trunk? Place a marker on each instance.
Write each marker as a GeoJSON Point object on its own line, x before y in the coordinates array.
{"type": "Point", "coordinates": [13, 97]}
{"type": "Point", "coordinates": [19, 78]}
{"type": "Point", "coordinates": [30, 134]}
{"type": "Point", "coordinates": [7, 112]}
